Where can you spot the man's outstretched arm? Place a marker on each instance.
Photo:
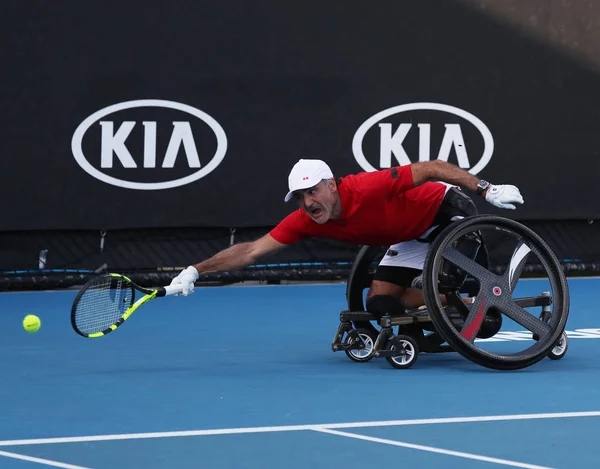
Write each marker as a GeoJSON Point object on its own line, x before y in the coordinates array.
{"type": "Point", "coordinates": [234, 257]}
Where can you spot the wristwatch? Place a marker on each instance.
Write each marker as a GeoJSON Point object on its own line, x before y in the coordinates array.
{"type": "Point", "coordinates": [482, 186]}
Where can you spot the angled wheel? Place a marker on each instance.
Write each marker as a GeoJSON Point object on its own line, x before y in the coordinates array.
{"type": "Point", "coordinates": [516, 246]}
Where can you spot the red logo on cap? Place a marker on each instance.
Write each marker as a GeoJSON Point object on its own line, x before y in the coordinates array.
{"type": "Point", "coordinates": [305, 178]}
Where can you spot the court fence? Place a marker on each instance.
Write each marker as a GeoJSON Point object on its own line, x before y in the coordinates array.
{"type": "Point", "coordinates": [61, 259]}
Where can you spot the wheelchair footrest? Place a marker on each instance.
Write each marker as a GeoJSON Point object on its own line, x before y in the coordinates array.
{"type": "Point", "coordinates": [349, 316]}
{"type": "Point", "coordinates": [409, 318]}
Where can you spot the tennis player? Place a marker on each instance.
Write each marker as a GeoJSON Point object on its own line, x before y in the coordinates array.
{"type": "Point", "coordinates": [403, 207]}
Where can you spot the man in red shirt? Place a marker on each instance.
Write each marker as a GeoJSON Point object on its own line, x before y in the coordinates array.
{"type": "Point", "coordinates": [397, 207]}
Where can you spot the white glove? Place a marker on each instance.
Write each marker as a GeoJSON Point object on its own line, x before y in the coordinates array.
{"type": "Point", "coordinates": [186, 279]}
{"type": "Point", "coordinates": [503, 196]}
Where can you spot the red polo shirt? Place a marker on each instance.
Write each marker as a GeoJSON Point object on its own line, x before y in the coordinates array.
{"type": "Point", "coordinates": [379, 208]}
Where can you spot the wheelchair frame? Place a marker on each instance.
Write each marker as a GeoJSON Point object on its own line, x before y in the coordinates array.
{"type": "Point", "coordinates": [401, 350]}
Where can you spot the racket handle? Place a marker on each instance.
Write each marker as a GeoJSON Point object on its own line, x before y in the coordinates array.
{"type": "Point", "coordinates": [169, 290]}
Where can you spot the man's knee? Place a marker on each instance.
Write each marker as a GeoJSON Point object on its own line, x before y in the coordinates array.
{"type": "Point", "coordinates": [386, 287]}
{"type": "Point", "coordinates": [380, 305]}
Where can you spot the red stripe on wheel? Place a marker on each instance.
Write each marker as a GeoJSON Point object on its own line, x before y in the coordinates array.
{"type": "Point", "coordinates": [472, 328]}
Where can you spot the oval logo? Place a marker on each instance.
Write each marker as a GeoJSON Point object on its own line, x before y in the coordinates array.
{"type": "Point", "coordinates": [159, 150]}
{"type": "Point", "coordinates": [432, 131]}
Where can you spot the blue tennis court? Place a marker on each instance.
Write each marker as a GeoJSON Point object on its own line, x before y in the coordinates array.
{"type": "Point", "coordinates": [244, 376]}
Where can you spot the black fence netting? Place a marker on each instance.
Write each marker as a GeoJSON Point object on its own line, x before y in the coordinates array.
{"type": "Point", "coordinates": [151, 257]}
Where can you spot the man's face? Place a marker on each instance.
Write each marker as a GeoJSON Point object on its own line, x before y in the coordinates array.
{"type": "Point", "coordinates": [319, 201]}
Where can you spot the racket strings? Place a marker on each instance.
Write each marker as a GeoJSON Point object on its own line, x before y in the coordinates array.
{"type": "Point", "coordinates": [102, 305]}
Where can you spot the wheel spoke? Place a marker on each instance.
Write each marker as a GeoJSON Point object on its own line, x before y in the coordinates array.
{"type": "Point", "coordinates": [474, 319]}
{"type": "Point", "coordinates": [467, 264]}
{"type": "Point", "coordinates": [524, 318]}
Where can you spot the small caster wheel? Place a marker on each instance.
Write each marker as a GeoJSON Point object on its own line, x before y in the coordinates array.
{"type": "Point", "coordinates": [560, 349]}
{"type": "Point", "coordinates": [408, 351]}
{"type": "Point", "coordinates": [368, 338]}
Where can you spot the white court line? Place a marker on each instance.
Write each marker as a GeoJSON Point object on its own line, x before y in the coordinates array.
{"type": "Point", "coordinates": [291, 428]}
{"type": "Point", "coordinates": [47, 462]}
{"type": "Point", "coordinates": [431, 449]}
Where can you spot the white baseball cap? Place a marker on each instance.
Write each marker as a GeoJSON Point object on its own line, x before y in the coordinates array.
{"type": "Point", "coordinates": [305, 174]}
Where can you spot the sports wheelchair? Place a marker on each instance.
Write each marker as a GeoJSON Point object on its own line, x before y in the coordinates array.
{"type": "Point", "coordinates": [459, 263]}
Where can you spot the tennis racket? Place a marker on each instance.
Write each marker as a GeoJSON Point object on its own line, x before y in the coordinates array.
{"type": "Point", "coordinates": [105, 302]}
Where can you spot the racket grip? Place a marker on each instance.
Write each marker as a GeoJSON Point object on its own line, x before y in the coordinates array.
{"type": "Point", "coordinates": [169, 290]}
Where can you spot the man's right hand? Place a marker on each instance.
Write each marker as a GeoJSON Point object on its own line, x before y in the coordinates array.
{"type": "Point", "coordinates": [186, 279]}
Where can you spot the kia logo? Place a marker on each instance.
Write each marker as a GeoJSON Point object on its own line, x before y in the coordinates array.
{"type": "Point", "coordinates": [415, 132]}
{"type": "Point", "coordinates": [150, 148]}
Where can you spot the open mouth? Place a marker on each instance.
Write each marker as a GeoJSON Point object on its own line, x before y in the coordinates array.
{"type": "Point", "coordinates": [315, 212]}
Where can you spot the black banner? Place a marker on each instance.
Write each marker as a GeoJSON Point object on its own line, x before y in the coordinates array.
{"type": "Point", "coordinates": [143, 114]}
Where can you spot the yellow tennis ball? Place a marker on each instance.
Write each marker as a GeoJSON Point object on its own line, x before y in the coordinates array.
{"type": "Point", "coordinates": [31, 323]}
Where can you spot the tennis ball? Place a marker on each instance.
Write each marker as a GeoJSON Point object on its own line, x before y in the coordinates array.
{"type": "Point", "coordinates": [31, 323]}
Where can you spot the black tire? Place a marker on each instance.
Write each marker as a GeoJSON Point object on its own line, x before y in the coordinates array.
{"type": "Point", "coordinates": [366, 354]}
{"type": "Point", "coordinates": [409, 356]}
{"type": "Point", "coordinates": [495, 292]}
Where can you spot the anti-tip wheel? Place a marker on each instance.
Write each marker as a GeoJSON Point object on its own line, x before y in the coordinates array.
{"type": "Point", "coordinates": [560, 349]}
{"type": "Point", "coordinates": [409, 351]}
{"type": "Point", "coordinates": [364, 354]}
